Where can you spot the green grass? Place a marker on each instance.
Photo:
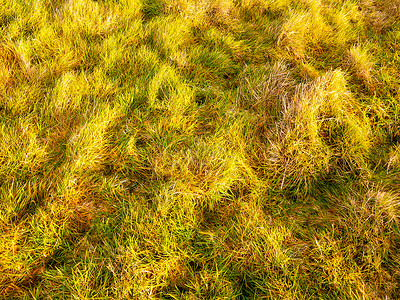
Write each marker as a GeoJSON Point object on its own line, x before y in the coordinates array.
{"type": "Point", "coordinates": [230, 149]}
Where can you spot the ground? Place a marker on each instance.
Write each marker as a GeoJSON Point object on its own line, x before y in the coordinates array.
{"type": "Point", "coordinates": [199, 149]}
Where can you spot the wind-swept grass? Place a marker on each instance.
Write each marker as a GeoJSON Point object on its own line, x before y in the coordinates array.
{"type": "Point", "coordinates": [230, 149]}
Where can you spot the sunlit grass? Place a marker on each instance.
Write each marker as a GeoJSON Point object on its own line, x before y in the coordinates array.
{"type": "Point", "coordinates": [230, 149]}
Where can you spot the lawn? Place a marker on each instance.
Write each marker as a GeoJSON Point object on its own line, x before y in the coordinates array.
{"type": "Point", "coordinates": [199, 149]}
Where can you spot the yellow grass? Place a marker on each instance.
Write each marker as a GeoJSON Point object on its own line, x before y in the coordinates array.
{"type": "Point", "coordinates": [231, 149]}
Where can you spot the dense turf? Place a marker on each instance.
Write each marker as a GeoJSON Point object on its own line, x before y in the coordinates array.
{"type": "Point", "coordinates": [199, 149]}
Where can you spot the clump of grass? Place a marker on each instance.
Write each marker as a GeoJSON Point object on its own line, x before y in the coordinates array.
{"type": "Point", "coordinates": [362, 63]}
{"type": "Point", "coordinates": [88, 18]}
{"type": "Point", "coordinates": [167, 92]}
{"type": "Point", "coordinates": [303, 32]}
{"type": "Point", "coordinates": [69, 92]}
{"type": "Point", "coordinates": [322, 129]}
{"type": "Point", "coordinates": [381, 15]}
{"type": "Point", "coordinates": [23, 152]}
{"type": "Point", "coordinates": [15, 65]}
{"type": "Point", "coordinates": [88, 146]}
{"type": "Point", "coordinates": [394, 158]}
{"type": "Point", "coordinates": [273, 6]}
{"type": "Point", "coordinates": [380, 208]}
{"type": "Point", "coordinates": [170, 34]}
{"type": "Point", "coordinates": [263, 90]}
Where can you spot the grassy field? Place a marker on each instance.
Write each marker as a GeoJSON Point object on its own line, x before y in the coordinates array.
{"type": "Point", "coordinates": [199, 149]}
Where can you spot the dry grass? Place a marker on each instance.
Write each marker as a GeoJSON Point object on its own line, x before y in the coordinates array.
{"type": "Point", "coordinates": [199, 149]}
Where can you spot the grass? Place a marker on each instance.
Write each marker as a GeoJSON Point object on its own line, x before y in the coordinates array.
{"type": "Point", "coordinates": [230, 149]}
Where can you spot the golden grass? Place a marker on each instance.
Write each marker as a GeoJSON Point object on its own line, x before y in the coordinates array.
{"type": "Point", "coordinates": [199, 149]}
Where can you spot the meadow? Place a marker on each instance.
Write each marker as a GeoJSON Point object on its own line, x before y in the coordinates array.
{"type": "Point", "coordinates": [199, 149]}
